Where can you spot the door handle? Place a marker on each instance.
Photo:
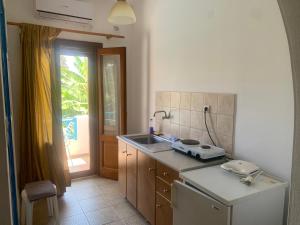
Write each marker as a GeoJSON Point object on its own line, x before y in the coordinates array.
{"type": "Point", "coordinates": [215, 207]}
{"type": "Point", "coordinates": [151, 169]}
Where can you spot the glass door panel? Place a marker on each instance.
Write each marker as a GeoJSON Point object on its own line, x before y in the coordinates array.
{"type": "Point", "coordinates": [75, 111]}
{"type": "Point", "coordinates": [111, 71]}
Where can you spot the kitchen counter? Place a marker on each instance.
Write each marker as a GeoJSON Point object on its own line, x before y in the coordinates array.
{"type": "Point", "coordinates": [171, 158]}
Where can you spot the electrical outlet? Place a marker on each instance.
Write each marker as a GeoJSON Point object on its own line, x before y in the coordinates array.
{"type": "Point", "coordinates": [206, 108]}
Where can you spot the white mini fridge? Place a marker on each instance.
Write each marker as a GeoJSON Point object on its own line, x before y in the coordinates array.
{"type": "Point", "coordinates": [211, 196]}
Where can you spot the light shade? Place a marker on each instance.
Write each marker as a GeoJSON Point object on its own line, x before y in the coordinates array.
{"type": "Point", "coordinates": [121, 14]}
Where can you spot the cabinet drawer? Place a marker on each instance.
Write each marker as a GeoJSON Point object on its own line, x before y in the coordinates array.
{"type": "Point", "coordinates": [163, 188]}
{"type": "Point", "coordinates": [166, 173]}
{"type": "Point", "coordinates": [164, 212]}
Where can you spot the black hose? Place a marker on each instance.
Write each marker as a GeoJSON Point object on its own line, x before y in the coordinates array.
{"type": "Point", "coordinates": [208, 129]}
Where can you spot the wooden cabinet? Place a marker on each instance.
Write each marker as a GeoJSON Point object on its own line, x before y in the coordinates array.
{"type": "Point", "coordinates": [146, 187]}
{"type": "Point", "coordinates": [122, 155]}
{"type": "Point", "coordinates": [165, 176]}
{"type": "Point", "coordinates": [164, 212]}
{"type": "Point", "coordinates": [146, 183]}
{"type": "Point", "coordinates": [131, 175]}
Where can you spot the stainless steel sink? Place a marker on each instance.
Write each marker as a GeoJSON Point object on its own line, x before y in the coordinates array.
{"type": "Point", "coordinates": [150, 142]}
{"type": "Point", "coordinates": [147, 140]}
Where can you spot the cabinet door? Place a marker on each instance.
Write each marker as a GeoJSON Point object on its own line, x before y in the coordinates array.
{"type": "Point", "coordinates": [131, 174]}
{"type": "Point", "coordinates": [163, 211]}
{"type": "Point", "coordinates": [193, 207]}
{"type": "Point", "coordinates": [122, 167]}
{"type": "Point", "coordinates": [146, 187]}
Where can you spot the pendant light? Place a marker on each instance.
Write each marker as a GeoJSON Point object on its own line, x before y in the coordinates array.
{"type": "Point", "coordinates": [121, 14]}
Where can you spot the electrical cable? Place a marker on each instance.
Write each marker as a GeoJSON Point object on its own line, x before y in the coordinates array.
{"type": "Point", "coordinates": [205, 111]}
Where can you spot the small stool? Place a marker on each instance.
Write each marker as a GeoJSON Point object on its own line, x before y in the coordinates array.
{"type": "Point", "coordinates": [36, 191]}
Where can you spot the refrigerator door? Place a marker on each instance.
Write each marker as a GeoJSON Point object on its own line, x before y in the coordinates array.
{"type": "Point", "coordinates": [193, 207]}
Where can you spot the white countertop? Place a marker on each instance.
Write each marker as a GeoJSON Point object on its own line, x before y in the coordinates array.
{"type": "Point", "coordinates": [173, 159]}
{"type": "Point", "coordinates": [226, 187]}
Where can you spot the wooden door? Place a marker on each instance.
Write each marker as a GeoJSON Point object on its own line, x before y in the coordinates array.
{"type": "Point", "coordinates": [131, 174]}
{"type": "Point", "coordinates": [122, 155]}
{"type": "Point", "coordinates": [146, 187]}
{"type": "Point", "coordinates": [112, 112]}
{"type": "Point", "coordinates": [164, 211]}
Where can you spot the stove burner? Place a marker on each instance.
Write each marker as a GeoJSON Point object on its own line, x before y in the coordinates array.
{"type": "Point", "coordinates": [190, 142]}
{"type": "Point", "coordinates": [205, 147]}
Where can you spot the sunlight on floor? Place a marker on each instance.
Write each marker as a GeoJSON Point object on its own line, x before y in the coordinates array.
{"type": "Point", "coordinates": [91, 201]}
{"type": "Point", "coordinates": [79, 163]}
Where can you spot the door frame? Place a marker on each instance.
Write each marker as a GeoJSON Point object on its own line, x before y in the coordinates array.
{"type": "Point", "coordinates": [90, 50]}
{"type": "Point", "coordinates": [110, 172]}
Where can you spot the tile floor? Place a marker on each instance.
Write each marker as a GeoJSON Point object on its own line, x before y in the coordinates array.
{"type": "Point", "coordinates": [91, 201]}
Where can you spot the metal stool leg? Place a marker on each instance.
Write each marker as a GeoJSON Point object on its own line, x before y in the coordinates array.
{"type": "Point", "coordinates": [50, 206]}
{"type": "Point", "coordinates": [56, 211]}
{"type": "Point", "coordinates": [28, 208]}
{"type": "Point", "coordinates": [23, 208]}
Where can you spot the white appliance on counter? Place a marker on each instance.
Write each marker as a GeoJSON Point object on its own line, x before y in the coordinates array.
{"type": "Point", "coordinates": [199, 151]}
{"type": "Point", "coordinates": [213, 196]}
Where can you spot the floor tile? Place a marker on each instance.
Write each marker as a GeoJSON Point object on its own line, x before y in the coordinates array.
{"type": "Point", "coordinates": [103, 216]}
{"type": "Point", "coordinates": [135, 220]}
{"type": "Point", "coordinates": [75, 220]}
{"type": "Point", "coordinates": [124, 210]}
{"type": "Point", "coordinates": [117, 223]}
{"type": "Point", "coordinates": [92, 204]}
{"type": "Point", "coordinates": [91, 201]}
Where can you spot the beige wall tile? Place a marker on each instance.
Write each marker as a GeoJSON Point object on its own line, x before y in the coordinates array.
{"type": "Point", "coordinates": [225, 125]}
{"type": "Point", "coordinates": [226, 104]}
{"type": "Point", "coordinates": [197, 120]}
{"type": "Point", "coordinates": [185, 100]}
{"type": "Point", "coordinates": [196, 134]}
{"type": "Point", "coordinates": [185, 118]}
{"type": "Point", "coordinates": [166, 127]}
{"type": "Point", "coordinates": [211, 120]}
{"type": "Point", "coordinates": [166, 99]}
{"type": "Point", "coordinates": [197, 101]}
{"type": "Point", "coordinates": [226, 142]}
{"type": "Point", "coordinates": [158, 99]}
{"type": "Point", "coordinates": [175, 118]}
{"type": "Point", "coordinates": [175, 130]}
{"type": "Point", "coordinates": [212, 101]}
{"type": "Point", "coordinates": [206, 140]}
{"type": "Point", "coordinates": [175, 100]}
{"type": "Point", "coordinates": [184, 132]}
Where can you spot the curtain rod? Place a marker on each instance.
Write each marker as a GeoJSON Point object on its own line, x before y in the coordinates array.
{"type": "Point", "coordinates": [108, 36]}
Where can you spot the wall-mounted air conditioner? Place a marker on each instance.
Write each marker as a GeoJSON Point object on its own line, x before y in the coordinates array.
{"type": "Point", "coordinates": [70, 10]}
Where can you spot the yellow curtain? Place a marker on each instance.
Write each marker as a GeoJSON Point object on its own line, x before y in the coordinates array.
{"type": "Point", "coordinates": [42, 147]}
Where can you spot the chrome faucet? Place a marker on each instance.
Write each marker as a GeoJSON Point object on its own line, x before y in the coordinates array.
{"type": "Point", "coordinates": [166, 116]}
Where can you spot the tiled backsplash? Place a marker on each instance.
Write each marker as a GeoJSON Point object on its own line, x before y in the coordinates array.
{"type": "Point", "coordinates": [187, 118]}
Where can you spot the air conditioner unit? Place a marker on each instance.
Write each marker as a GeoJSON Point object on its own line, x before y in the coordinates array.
{"type": "Point", "coordinates": [69, 10]}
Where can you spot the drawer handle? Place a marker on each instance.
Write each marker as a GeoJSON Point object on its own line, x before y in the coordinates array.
{"type": "Point", "coordinates": [151, 169]}
{"type": "Point", "coordinates": [129, 154]}
{"type": "Point", "coordinates": [165, 174]}
{"type": "Point", "coordinates": [165, 190]}
{"type": "Point", "coordinates": [124, 152]}
{"type": "Point", "coordinates": [158, 205]}
{"type": "Point", "coordinates": [215, 207]}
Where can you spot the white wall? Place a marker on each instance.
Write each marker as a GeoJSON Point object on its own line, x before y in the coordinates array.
{"type": "Point", "coordinates": [234, 46]}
